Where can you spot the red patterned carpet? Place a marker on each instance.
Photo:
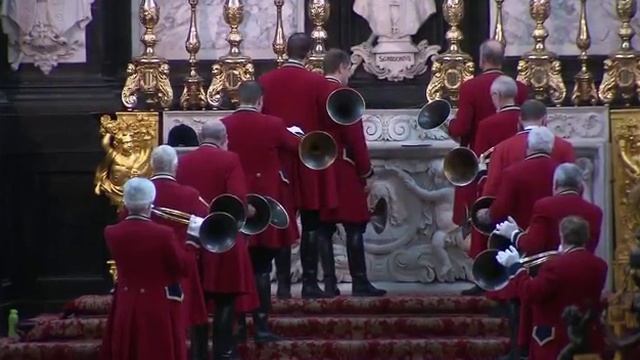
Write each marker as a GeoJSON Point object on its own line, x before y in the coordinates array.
{"type": "Point", "coordinates": [393, 327]}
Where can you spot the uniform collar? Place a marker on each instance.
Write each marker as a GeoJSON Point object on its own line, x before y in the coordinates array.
{"type": "Point", "coordinates": [527, 128]}
{"type": "Point", "coordinates": [568, 192]}
{"type": "Point", "coordinates": [138, 217]}
{"type": "Point", "coordinates": [208, 144]}
{"type": "Point", "coordinates": [163, 176]}
{"type": "Point", "coordinates": [574, 249]}
{"type": "Point", "coordinates": [294, 63]}
{"type": "Point", "coordinates": [537, 155]}
{"type": "Point", "coordinates": [509, 108]}
{"type": "Point", "coordinates": [492, 71]}
{"type": "Point", "coordinates": [333, 79]}
{"type": "Point", "coordinates": [246, 108]}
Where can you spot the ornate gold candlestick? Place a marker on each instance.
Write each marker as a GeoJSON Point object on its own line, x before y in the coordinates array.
{"type": "Point", "coordinates": [451, 68]}
{"type": "Point", "coordinates": [584, 90]}
{"type": "Point", "coordinates": [234, 68]}
{"type": "Point", "coordinates": [279, 39]}
{"type": "Point", "coordinates": [148, 74]}
{"type": "Point", "coordinates": [318, 11]}
{"type": "Point", "coordinates": [621, 72]}
{"type": "Point", "coordinates": [113, 270]}
{"type": "Point", "coordinates": [498, 31]}
{"type": "Point", "coordinates": [540, 69]}
{"type": "Point", "coordinates": [193, 97]}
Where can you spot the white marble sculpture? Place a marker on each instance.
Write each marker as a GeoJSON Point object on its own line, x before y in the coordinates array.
{"type": "Point", "coordinates": [563, 27]}
{"type": "Point", "coordinates": [45, 32]}
{"type": "Point", "coordinates": [393, 22]}
{"type": "Point", "coordinates": [258, 27]}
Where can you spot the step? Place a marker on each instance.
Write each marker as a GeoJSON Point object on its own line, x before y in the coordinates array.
{"type": "Point", "coordinates": [100, 305]}
{"type": "Point", "coordinates": [457, 348]}
{"type": "Point", "coordinates": [324, 327]}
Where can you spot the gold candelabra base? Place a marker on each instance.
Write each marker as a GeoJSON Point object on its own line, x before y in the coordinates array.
{"type": "Point", "coordinates": [621, 78]}
{"type": "Point", "coordinates": [584, 89]}
{"type": "Point", "coordinates": [193, 96]}
{"type": "Point", "coordinates": [227, 75]}
{"type": "Point", "coordinates": [147, 77]}
{"type": "Point", "coordinates": [542, 73]}
{"type": "Point", "coordinates": [113, 270]}
{"type": "Point", "coordinates": [448, 72]}
{"type": "Point", "coordinates": [315, 63]}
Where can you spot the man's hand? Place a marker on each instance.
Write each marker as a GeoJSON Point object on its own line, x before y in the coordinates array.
{"type": "Point", "coordinates": [509, 257]}
{"type": "Point", "coordinates": [251, 211]}
{"type": "Point", "coordinates": [194, 226]}
{"type": "Point", "coordinates": [507, 228]}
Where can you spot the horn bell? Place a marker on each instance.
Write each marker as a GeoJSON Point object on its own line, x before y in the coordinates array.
{"type": "Point", "coordinates": [218, 232]}
{"type": "Point", "coordinates": [318, 150]}
{"type": "Point", "coordinates": [232, 205]}
{"type": "Point", "coordinates": [483, 202]}
{"type": "Point", "coordinates": [261, 219]}
{"type": "Point", "coordinates": [461, 166]}
{"type": "Point", "coordinates": [434, 114]}
{"type": "Point", "coordinates": [345, 106]}
{"type": "Point", "coordinates": [379, 216]}
{"type": "Point", "coordinates": [279, 215]}
{"type": "Point", "coordinates": [488, 273]}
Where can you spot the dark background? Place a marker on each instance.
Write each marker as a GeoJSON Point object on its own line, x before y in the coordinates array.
{"type": "Point", "coordinates": [51, 248]}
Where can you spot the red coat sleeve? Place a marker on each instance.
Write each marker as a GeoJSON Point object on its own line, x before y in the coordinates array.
{"type": "Point", "coordinates": [357, 148]}
{"type": "Point", "coordinates": [286, 140]}
{"type": "Point", "coordinates": [539, 288]}
{"type": "Point", "coordinates": [502, 207]}
{"type": "Point", "coordinates": [236, 182]}
{"type": "Point", "coordinates": [175, 256]}
{"type": "Point", "coordinates": [534, 239]}
{"type": "Point", "coordinates": [494, 172]}
{"type": "Point", "coordinates": [461, 125]}
{"type": "Point", "coordinates": [482, 141]}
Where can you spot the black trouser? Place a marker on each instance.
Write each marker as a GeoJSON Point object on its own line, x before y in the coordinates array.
{"type": "Point", "coordinates": [261, 258]}
{"type": "Point", "coordinates": [223, 341]}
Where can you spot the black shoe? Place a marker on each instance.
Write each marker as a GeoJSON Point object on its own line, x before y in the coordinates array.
{"type": "Point", "coordinates": [199, 335]}
{"type": "Point", "coordinates": [309, 259]}
{"type": "Point", "coordinates": [328, 262]}
{"type": "Point", "coordinates": [223, 339]}
{"type": "Point", "coordinates": [474, 291]}
{"type": "Point", "coordinates": [283, 273]}
{"type": "Point", "coordinates": [360, 285]}
{"type": "Point", "coordinates": [261, 316]}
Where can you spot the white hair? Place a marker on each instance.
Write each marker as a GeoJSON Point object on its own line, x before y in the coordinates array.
{"type": "Point", "coordinates": [213, 131]}
{"type": "Point", "coordinates": [164, 159]}
{"type": "Point", "coordinates": [568, 175]}
{"type": "Point", "coordinates": [540, 140]}
{"type": "Point", "coordinates": [139, 194]}
{"type": "Point", "coordinates": [504, 86]}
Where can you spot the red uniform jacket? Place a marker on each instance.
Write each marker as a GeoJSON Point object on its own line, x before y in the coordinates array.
{"type": "Point", "coordinates": [577, 278]}
{"type": "Point", "coordinates": [497, 128]}
{"type": "Point", "coordinates": [521, 186]}
{"type": "Point", "coordinates": [213, 171]}
{"type": "Point", "coordinates": [352, 168]}
{"type": "Point", "coordinates": [543, 233]}
{"type": "Point", "coordinates": [294, 94]}
{"type": "Point", "coordinates": [258, 140]}
{"type": "Point", "coordinates": [146, 319]}
{"type": "Point", "coordinates": [514, 150]}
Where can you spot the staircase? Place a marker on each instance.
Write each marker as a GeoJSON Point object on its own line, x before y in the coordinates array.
{"type": "Point", "coordinates": [392, 327]}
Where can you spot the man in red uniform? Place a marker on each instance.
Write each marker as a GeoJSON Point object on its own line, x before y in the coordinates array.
{"type": "Point", "coordinates": [474, 105]}
{"type": "Point", "coordinates": [170, 194]}
{"type": "Point", "coordinates": [147, 316]}
{"type": "Point", "coordinates": [293, 94]}
{"type": "Point", "coordinates": [258, 140]}
{"type": "Point", "coordinates": [214, 171]}
{"type": "Point", "coordinates": [576, 277]}
{"type": "Point", "coordinates": [352, 170]}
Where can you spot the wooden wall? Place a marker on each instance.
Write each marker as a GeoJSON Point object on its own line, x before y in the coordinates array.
{"type": "Point", "coordinates": [51, 248]}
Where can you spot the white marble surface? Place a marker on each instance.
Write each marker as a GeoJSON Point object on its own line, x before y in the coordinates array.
{"type": "Point", "coordinates": [258, 27]}
{"type": "Point", "coordinates": [563, 26]}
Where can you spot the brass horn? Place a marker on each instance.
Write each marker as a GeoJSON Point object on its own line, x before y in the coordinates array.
{"type": "Point", "coordinates": [318, 150]}
{"type": "Point", "coordinates": [379, 216]}
{"type": "Point", "coordinates": [232, 205]}
{"type": "Point", "coordinates": [434, 114]}
{"type": "Point", "coordinates": [461, 166]}
{"type": "Point", "coordinates": [262, 217]}
{"type": "Point", "coordinates": [345, 106]}
{"type": "Point", "coordinates": [279, 215]}
{"type": "Point", "coordinates": [483, 202]}
{"type": "Point", "coordinates": [498, 242]}
{"type": "Point", "coordinates": [490, 275]}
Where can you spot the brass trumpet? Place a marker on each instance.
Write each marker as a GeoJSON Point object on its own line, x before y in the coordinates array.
{"type": "Point", "coordinates": [216, 233]}
{"type": "Point", "coordinates": [318, 150]}
{"type": "Point", "coordinates": [483, 202]}
{"type": "Point", "coordinates": [345, 106]}
{"type": "Point", "coordinates": [462, 166]}
{"type": "Point", "coordinates": [490, 275]}
{"type": "Point", "coordinates": [268, 212]}
{"type": "Point", "coordinates": [434, 114]}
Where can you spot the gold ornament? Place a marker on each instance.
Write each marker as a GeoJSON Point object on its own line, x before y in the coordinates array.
{"type": "Point", "coordinates": [584, 89]}
{"type": "Point", "coordinates": [279, 44]}
{"type": "Point", "coordinates": [193, 96]}
{"type": "Point", "coordinates": [113, 270]}
{"type": "Point", "coordinates": [128, 141]}
{"type": "Point", "coordinates": [234, 68]}
{"type": "Point", "coordinates": [319, 11]}
{"type": "Point", "coordinates": [540, 69]}
{"type": "Point", "coordinates": [498, 31]}
{"type": "Point", "coordinates": [453, 67]}
{"type": "Point", "coordinates": [148, 74]}
{"type": "Point", "coordinates": [621, 70]}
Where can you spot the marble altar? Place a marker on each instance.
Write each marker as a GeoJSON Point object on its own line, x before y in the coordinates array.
{"type": "Point", "coordinates": [563, 26]}
{"type": "Point", "coordinates": [258, 28]}
{"type": "Point", "coordinates": [420, 244]}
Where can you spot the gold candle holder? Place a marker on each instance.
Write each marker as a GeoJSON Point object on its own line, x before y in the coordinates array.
{"type": "Point", "coordinates": [279, 40]}
{"type": "Point", "coordinates": [584, 89]}
{"type": "Point", "coordinates": [621, 73]}
{"type": "Point", "coordinates": [234, 68]}
{"type": "Point", "coordinates": [193, 96]}
{"type": "Point", "coordinates": [453, 67]}
{"type": "Point", "coordinates": [540, 69]}
{"type": "Point", "coordinates": [113, 270]}
{"type": "Point", "coordinates": [318, 11]}
{"type": "Point", "coordinates": [498, 31]}
{"type": "Point", "coordinates": [148, 74]}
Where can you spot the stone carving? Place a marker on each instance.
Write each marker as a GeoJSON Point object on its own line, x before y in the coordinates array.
{"type": "Point", "coordinates": [45, 32]}
{"type": "Point", "coordinates": [389, 53]}
{"type": "Point", "coordinates": [573, 125]}
{"type": "Point", "coordinates": [563, 27]}
{"type": "Point", "coordinates": [258, 28]}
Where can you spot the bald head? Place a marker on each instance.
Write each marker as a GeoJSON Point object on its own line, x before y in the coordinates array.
{"type": "Point", "coordinates": [213, 131]}
{"type": "Point", "coordinates": [491, 55]}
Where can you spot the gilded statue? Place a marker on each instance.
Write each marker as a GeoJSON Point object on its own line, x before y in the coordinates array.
{"type": "Point", "coordinates": [128, 141]}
